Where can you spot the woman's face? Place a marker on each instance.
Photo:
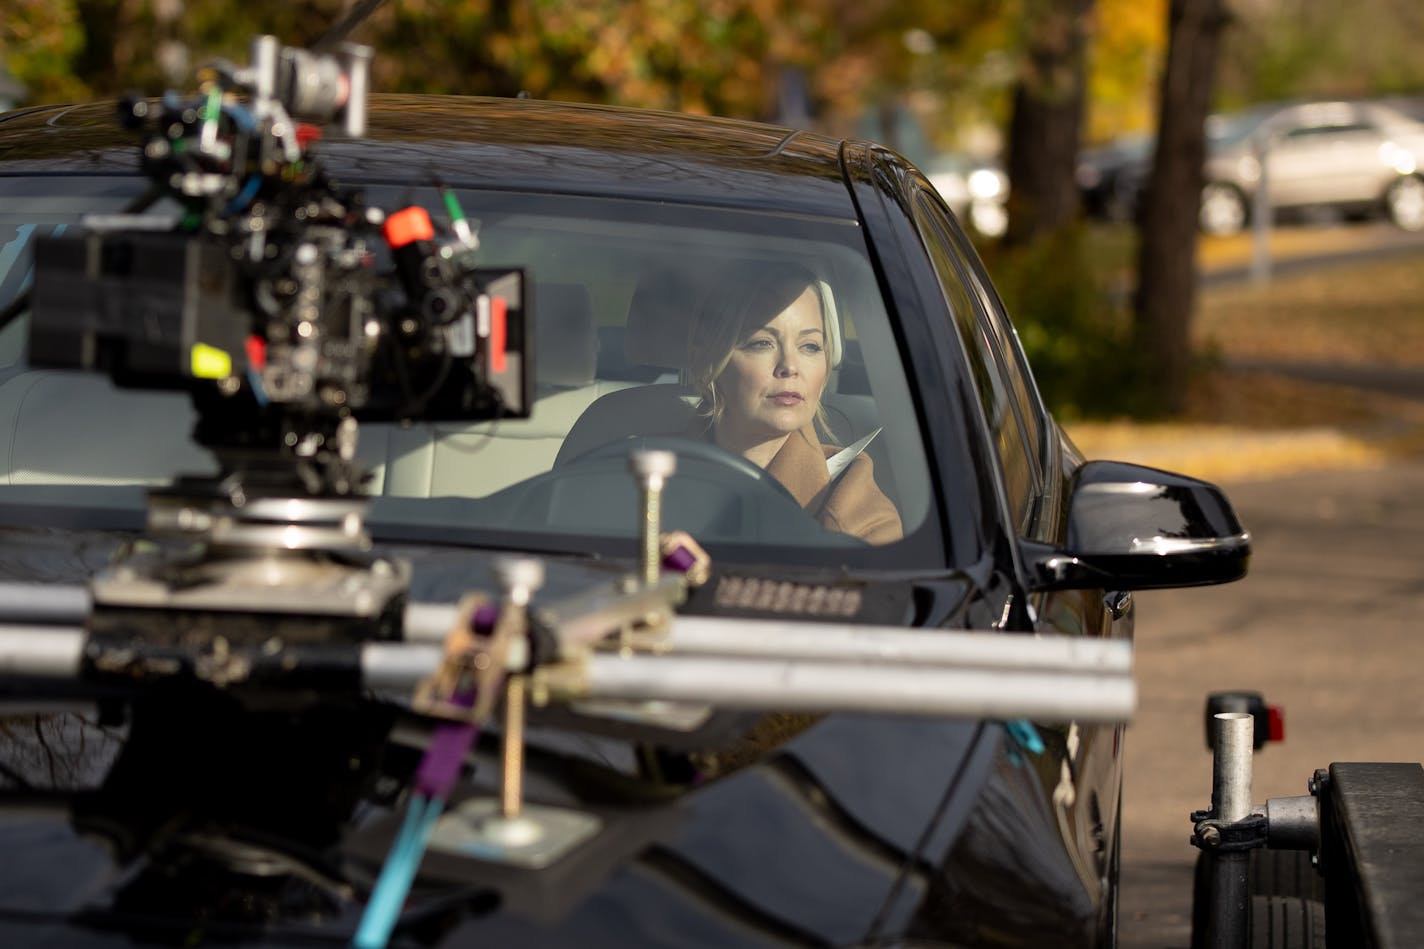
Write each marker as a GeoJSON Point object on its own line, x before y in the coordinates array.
{"type": "Point", "coordinates": [772, 383]}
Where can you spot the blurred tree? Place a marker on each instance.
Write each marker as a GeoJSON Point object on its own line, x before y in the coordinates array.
{"type": "Point", "coordinates": [1125, 53]}
{"type": "Point", "coordinates": [39, 42]}
{"type": "Point", "coordinates": [1314, 49]}
{"type": "Point", "coordinates": [1167, 257]}
{"type": "Point", "coordinates": [1044, 130]}
{"type": "Point", "coordinates": [729, 57]}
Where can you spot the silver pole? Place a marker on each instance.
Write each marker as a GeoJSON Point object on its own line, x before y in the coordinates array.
{"type": "Point", "coordinates": [428, 622]}
{"type": "Point", "coordinates": [398, 667]}
{"type": "Point", "coordinates": [45, 652]}
{"type": "Point", "coordinates": [1262, 218]}
{"type": "Point", "coordinates": [1228, 924]}
{"type": "Point", "coordinates": [841, 642]}
{"type": "Point", "coordinates": [888, 686]}
{"type": "Point", "coordinates": [895, 689]}
{"type": "Point", "coordinates": [1231, 765]}
{"type": "Point", "coordinates": [43, 603]}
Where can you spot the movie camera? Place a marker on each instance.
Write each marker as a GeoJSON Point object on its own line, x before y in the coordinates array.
{"type": "Point", "coordinates": [252, 281]}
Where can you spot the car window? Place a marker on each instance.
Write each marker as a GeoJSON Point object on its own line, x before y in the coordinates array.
{"type": "Point", "coordinates": [1010, 350]}
{"type": "Point", "coordinates": [1316, 133]}
{"type": "Point", "coordinates": [615, 285]}
{"type": "Point", "coordinates": [1004, 391]}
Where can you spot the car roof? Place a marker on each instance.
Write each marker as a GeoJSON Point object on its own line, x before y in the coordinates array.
{"type": "Point", "coordinates": [509, 144]}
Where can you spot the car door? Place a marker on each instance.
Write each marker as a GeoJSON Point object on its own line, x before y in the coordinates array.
{"type": "Point", "coordinates": [1081, 770]}
{"type": "Point", "coordinates": [1325, 156]}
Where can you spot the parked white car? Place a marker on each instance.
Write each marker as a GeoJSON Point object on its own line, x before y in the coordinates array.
{"type": "Point", "coordinates": [1354, 158]}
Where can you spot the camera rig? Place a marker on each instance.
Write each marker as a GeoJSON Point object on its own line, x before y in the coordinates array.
{"type": "Point", "coordinates": [258, 290]}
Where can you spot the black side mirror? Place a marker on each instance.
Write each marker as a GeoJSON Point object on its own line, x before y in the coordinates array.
{"type": "Point", "coordinates": [1137, 528]}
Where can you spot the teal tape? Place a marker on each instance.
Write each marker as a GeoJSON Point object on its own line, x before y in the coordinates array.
{"type": "Point", "coordinates": [402, 862]}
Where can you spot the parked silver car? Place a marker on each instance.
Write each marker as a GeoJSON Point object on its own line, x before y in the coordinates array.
{"type": "Point", "coordinates": [1355, 158]}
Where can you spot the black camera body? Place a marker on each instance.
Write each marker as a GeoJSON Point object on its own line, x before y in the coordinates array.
{"type": "Point", "coordinates": [171, 310]}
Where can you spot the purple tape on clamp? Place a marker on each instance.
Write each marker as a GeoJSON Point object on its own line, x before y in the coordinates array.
{"type": "Point", "coordinates": [679, 559]}
{"type": "Point", "coordinates": [486, 615]}
{"type": "Point", "coordinates": [449, 744]}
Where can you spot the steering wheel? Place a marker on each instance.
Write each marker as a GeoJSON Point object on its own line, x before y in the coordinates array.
{"type": "Point", "coordinates": [699, 453]}
{"type": "Point", "coordinates": [771, 512]}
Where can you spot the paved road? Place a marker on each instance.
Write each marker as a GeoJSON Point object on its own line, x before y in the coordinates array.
{"type": "Point", "coordinates": [1302, 249]}
{"type": "Point", "coordinates": [1328, 624]}
{"type": "Point", "coordinates": [1405, 382]}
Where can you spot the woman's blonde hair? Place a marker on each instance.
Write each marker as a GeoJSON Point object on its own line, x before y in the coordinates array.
{"type": "Point", "coordinates": [744, 297]}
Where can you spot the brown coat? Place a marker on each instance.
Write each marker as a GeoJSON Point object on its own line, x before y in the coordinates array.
{"type": "Point", "coordinates": [853, 505]}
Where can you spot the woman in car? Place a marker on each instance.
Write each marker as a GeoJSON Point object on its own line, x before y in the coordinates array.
{"type": "Point", "coordinates": [759, 355]}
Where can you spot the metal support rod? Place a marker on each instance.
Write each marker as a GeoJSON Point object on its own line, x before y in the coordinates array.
{"type": "Point", "coordinates": [583, 622]}
{"type": "Point", "coordinates": [906, 689]}
{"type": "Point", "coordinates": [1229, 921]}
{"type": "Point", "coordinates": [42, 652]}
{"type": "Point", "coordinates": [589, 619]}
{"type": "Point", "coordinates": [1233, 734]}
{"type": "Point", "coordinates": [43, 603]}
{"type": "Point", "coordinates": [897, 685]}
{"type": "Point", "coordinates": [843, 642]}
{"type": "Point", "coordinates": [1261, 214]}
{"type": "Point", "coordinates": [653, 468]}
{"type": "Point", "coordinates": [398, 667]}
{"type": "Point", "coordinates": [512, 787]}
{"type": "Point", "coordinates": [1229, 924]}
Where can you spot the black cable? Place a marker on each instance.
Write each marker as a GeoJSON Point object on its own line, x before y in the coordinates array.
{"type": "Point", "coordinates": [873, 934]}
{"type": "Point", "coordinates": [17, 306]}
{"type": "Point", "coordinates": [339, 30]}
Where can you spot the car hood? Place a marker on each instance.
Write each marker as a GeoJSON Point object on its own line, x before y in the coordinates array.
{"type": "Point", "coordinates": [825, 841]}
{"type": "Point", "coordinates": [190, 818]}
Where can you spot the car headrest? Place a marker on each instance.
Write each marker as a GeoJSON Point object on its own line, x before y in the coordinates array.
{"type": "Point", "coordinates": [659, 318]}
{"type": "Point", "coordinates": [666, 302]}
{"type": "Point", "coordinates": [566, 338]}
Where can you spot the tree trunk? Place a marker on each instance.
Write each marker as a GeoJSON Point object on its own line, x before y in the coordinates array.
{"type": "Point", "coordinates": [1047, 116]}
{"type": "Point", "coordinates": [1166, 268]}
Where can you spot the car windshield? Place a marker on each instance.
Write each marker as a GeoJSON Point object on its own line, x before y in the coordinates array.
{"type": "Point", "coordinates": [616, 285]}
{"type": "Point", "coordinates": [1226, 129]}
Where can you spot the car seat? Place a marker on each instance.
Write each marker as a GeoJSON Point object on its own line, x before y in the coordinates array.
{"type": "Point", "coordinates": [65, 427]}
{"type": "Point", "coordinates": [476, 459]}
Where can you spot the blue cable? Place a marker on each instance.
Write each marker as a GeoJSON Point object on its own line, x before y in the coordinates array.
{"type": "Point", "coordinates": [1024, 736]}
{"type": "Point", "coordinates": [241, 199]}
{"type": "Point", "coordinates": [393, 885]}
{"type": "Point", "coordinates": [254, 378]}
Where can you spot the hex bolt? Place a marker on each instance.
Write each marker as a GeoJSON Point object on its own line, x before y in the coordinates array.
{"type": "Point", "coordinates": [652, 469]}
{"type": "Point", "coordinates": [1210, 836]}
